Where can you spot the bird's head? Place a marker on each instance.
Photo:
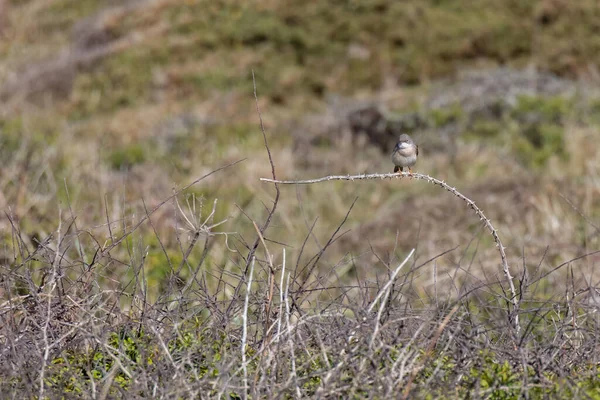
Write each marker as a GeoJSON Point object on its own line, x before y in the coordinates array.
{"type": "Point", "coordinates": [404, 141]}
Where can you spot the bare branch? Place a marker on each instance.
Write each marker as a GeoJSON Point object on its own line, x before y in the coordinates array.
{"type": "Point", "coordinates": [513, 314]}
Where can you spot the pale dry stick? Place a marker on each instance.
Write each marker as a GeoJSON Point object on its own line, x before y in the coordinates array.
{"type": "Point", "coordinates": [190, 224]}
{"type": "Point", "coordinates": [514, 299]}
{"type": "Point", "coordinates": [271, 284]}
{"type": "Point", "coordinates": [280, 315]}
{"type": "Point", "coordinates": [385, 292]}
{"type": "Point", "coordinates": [51, 286]}
{"type": "Point", "coordinates": [290, 341]}
{"type": "Point", "coordinates": [435, 290]}
{"type": "Point", "coordinates": [268, 302]}
{"type": "Point", "coordinates": [245, 328]}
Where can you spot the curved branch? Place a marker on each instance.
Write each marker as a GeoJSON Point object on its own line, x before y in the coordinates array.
{"type": "Point", "coordinates": [427, 178]}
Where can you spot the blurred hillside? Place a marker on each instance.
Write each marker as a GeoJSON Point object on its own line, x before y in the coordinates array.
{"type": "Point", "coordinates": [106, 103]}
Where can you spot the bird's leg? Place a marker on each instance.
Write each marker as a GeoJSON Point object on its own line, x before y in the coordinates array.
{"type": "Point", "coordinates": [396, 168]}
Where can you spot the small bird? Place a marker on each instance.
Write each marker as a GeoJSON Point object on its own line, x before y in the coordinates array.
{"type": "Point", "coordinates": [405, 153]}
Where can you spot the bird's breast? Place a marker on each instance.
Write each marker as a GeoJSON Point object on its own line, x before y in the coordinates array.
{"type": "Point", "coordinates": [404, 157]}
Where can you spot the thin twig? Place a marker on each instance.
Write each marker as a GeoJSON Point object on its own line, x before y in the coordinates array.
{"type": "Point", "coordinates": [245, 328]}
{"type": "Point", "coordinates": [280, 314]}
{"type": "Point", "coordinates": [293, 376]}
{"type": "Point", "coordinates": [267, 222]}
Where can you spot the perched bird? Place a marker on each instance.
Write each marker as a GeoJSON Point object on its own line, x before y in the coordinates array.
{"type": "Point", "coordinates": [405, 153]}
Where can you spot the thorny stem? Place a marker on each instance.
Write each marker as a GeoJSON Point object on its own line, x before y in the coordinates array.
{"type": "Point", "coordinates": [514, 300]}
